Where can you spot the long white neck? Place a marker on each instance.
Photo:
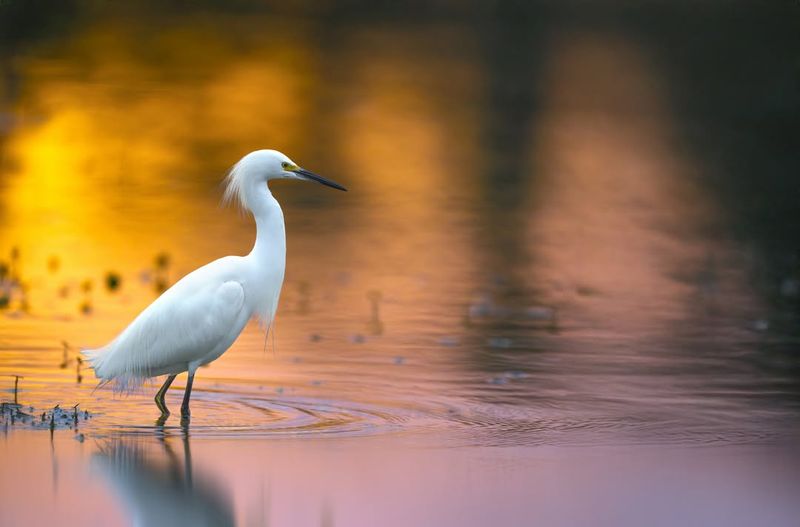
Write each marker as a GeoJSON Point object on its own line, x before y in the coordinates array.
{"type": "Point", "coordinates": [268, 257]}
{"type": "Point", "coordinates": [270, 243]}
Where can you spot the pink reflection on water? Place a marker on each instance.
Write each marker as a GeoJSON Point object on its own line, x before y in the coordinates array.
{"type": "Point", "coordinates": [390, 482]}
{"type": "Point", "coordinates": [622, 228]}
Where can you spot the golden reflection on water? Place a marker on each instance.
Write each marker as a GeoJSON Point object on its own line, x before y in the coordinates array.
{"type": "Point", "coordinates": [109, 163]}
{"type": "Point", "coordinates": [114, 159]}
{"type": "Point", "coordinates": [414, 156]}
{"type": "Point", "coordinates": [122, 156]}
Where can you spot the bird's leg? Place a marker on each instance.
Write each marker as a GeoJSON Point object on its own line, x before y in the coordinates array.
{"type": "Point", "coordinates": [185, 406]}
{"type": "Point", "coordinates": [160, 396]}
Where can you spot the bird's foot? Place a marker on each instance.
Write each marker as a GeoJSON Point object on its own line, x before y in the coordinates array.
{"type": "Point", "coordinates": [162, 419]}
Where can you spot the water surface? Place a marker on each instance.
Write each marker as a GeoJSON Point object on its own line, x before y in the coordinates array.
{"type": "Point", "coordinates": [536, 305]}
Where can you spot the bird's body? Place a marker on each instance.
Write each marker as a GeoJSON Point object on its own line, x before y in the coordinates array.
{"type": "Point", "coordinates": [197, 319]}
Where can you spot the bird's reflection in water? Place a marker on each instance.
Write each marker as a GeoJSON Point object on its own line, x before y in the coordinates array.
{"type": "Point", "coordinates": [157, 487]}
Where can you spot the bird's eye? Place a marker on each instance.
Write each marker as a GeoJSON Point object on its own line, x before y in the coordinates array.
{"type": "Point", "coordinates": [285, 165]}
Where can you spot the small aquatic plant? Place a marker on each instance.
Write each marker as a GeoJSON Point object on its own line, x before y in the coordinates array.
{"type": "Point", "coordinates": [85, 306]}
{"type": "Point", "coordinates": [162, 261]}
{"type": "Point", "coordinates": [113, 281]}
{"type": "Point", "coordinates": [13, 268]}
{"type": "Point", "coordinates": [56, 418]}
{"type": "Point", "coordinates": [64, 355]}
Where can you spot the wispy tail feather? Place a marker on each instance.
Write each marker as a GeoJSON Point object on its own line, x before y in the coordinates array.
{"type": "Point", "coordinates": [95, 358]}
{"type": "Point", "coordinates": [101, 361]}
{"type": "Point", "coordinates": [100, 385]}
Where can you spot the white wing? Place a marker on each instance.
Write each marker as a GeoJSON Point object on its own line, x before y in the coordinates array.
{"type": "Point", "coordinates": [183, 325]}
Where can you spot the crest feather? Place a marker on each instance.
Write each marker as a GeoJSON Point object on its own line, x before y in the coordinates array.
{"type": "Point", "coordinates": [234, 187]}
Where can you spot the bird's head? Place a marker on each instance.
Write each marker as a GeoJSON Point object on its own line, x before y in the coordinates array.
{"type": "Point", "coordinates": [261, 166]}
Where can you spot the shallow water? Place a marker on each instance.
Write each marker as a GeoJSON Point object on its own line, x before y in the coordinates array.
{"type": "Point", "coordinates": [535, 305]}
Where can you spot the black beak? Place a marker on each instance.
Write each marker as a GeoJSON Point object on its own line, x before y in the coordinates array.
{"type": "Point", "coordinates": [319, 179]}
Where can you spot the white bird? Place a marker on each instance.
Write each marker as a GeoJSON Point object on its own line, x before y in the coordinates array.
{"type": "Point", "coordinates": [197, 319]}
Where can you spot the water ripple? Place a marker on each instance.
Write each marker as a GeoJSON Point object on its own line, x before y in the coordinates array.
{"type": "Point", "coordinates": [248, 416]}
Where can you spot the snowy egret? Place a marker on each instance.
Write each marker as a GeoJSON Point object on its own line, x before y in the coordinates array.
{"type": "Point", "coordinates": [197, 319]}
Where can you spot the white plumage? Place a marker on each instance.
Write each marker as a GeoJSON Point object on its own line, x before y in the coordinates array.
{"type": "Point", "coordinates": [197, 319]}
